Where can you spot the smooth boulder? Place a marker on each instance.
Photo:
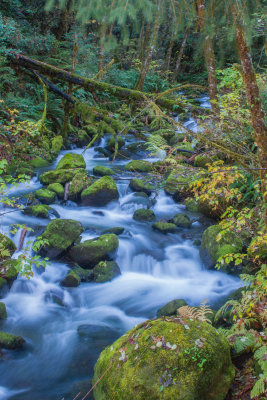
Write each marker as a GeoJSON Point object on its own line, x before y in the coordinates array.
{"type": "Point", "coordinates": [105, 271]}
{"type": "Point", "coordinates": [144, 215]}
{"type": "Point", "coordinates": [10, 342]}
{"type": "Point", "coordinates": [164, 227]}
{"type": "Point", "coordinates": [100, 193]}
{"type": "Point", "coordinates": [182, 221]}
{"type": "Point", "coordinates": [70, 161]}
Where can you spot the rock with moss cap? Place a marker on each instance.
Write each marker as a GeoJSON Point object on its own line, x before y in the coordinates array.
{"type": "Point", "coordinates": [100, 193]}
{"type": "Point", "coordinates": [56, 188]}
{"type": "Point", "coordinates": [10, 342]}
{"type": "Point", "coordinates": [56, 144]}
{"type": "Point", "coordinates": [177, 183]}
{"type": "Point", "coordinates": [112, 143]}
{"type": "Point", "coordinates": [90, 252]}
{"type": "Point", "coordinates": [39, 211]}
{"type": "Point", "coordinates": [137, 185]}
{"type": "Point", "coordinates": [182, 220]}
{"type": "Point", "coordinates": [171, 308]}
{"type": "Point", "coordinates": [191, 205]}
{"type": "Point", "coordinates": [45, 196]}
{"type": "Point", "coordinates": [105, 271]}
{"type": "Point", "coordinates": [38, 162]}
{"type": "Point", "coordinates": [71, 161]}
{"type": "Point", "coordinates": [7, 246]}
{"type": "Point", "coordinates": [3, 283]}
{"type": "Point", "coordinates": [71, 280]}
{"type": "Point", "coordinates": [139, 166]}
{"type": "Point", "coordinates": [144, 215]}
{"type": "Point", "coordinates": [211, 249]}
{"type": "Point", "coordinates": [79, 182]}
{"type": "Point", "coordinates": [202, 160]}
{"type": "Point", "coordinates": [8, 270]}
{"type": "Point", "coordinates": [117, 230]}
{"type": "Point", "coordinates": [166, 359]}
{"type": "Point", "coordinates": [59, 176]}
{"type": "Point", "coordinates": [164, 227]}
{"type": "Point", "coordinates": [60, 234]}
{"type": "Point", "coordinates": [103, 171]}
{"type": "Point", "coordinates": [3, 313]}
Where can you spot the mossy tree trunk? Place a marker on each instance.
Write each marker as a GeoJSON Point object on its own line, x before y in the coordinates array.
{"type": "Point", "coordinates": [180, 56]}
{"type": "Point", "coordinates": [103, 31]}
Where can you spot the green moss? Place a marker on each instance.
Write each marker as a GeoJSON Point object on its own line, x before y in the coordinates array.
{"type": "Point", "coordinates": [57, 188]}
{"type": "Point", "coordinates": [191, 205]}
{"type": "Point", "coordinates": [105, 271]}
{"type": "Point", "coordinates": [45, 196]}
{"type": "Point", "coordinates": [185, 146]}
{"type": "Point", "coordinates": [103, 171]}
{"type": "Point", "coordinates": [58, 176]}
{"type": "Point", "coordinates": [70, 161]}
{"type": "Point", "coordinates": [90, 130]}
{"type": "Point", "coordinates": [8, 270]}
{"type": "Point", "coordinates": [56, 144]}
{"type": "Point", "coordinates": [144, 215]}
{"type": "Point", "coordinates": [177, 183]}
{"type": "Point", "coordinates": [80, 181]}
{"type": "Point", "coordinates": [117, 230]}
{"type": "Point", "coordinates": [137, 185]}
{"type": "Point", "coordinates": [112, 141]}
{"type": "Point", "coordinates": [164, 227]}
{"type": "Point", "coordinates": [38, 162]}
{"type": "Point", "coordinates": [6, 244]}
{"type": "Point", "coordinates": [86, 275]}
{"type": "Point", "coordinates": [90, 252]}
{"type": "Point", "coordinates": [182, 220]}
{"type": "Point", "coordinates": [178, 138]}
{"type": "Point", "coordinates": [71, 280]}
{"type": "Point", "coordinates": [101, 192]}
{"type": "Point", "coordinates": [83, 138]}
{"type": "Point", "coordinates": [39, 211]}
{"type": "Point", "coordinates": [11, 342]}
{"type": "Point", "coordinates": [3, 313]}
{"type": "Point", "coordinates": [118, 126]}
{"type": "Point", "coordinates": [171, 308]}
{"type": "Point", "coordinates": [167, 134]}
{"type": "Point", "coordinates": [24, 171]}
{"type": "Point", "coordinates": [139, 166]}
{"type": "Point", "coordinates": [105, 128]}
{"type": "Point", "coordinates": [3, 282]}
{"type": "Point", "coordinates": [191, 356]}
{"type": "Point", "coordinates": [203, 160]}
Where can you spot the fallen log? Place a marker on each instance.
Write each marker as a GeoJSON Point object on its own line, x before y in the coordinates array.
{"type": "Point", "coordinates": [92, 85]}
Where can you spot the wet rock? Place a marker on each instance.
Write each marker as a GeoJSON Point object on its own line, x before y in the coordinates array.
{"type": "Point", "coordinates": [139, 166]}
{"type": "Point", "coordinates": [39, 211]}
{"type": "Point", "coordinates": [104, 152]}
{"type": "Point", "coordinates": [112, 143]}
{"type": "Point", "coordinates": [71, 161]}
{"type": "Point", "coordinates": [171, 308]}
{"type": "Point", "coordinates": [137, 185]}
{"type": "Point", "coordinates": [3, 313]}
{"type": "Point", "coordinates": [117, 230]}
{"type": "Point", "coordinates": [80, 181]}
{"type": "Point", "coordinates": [105, 271]}
{"type": "Point", "coordinates": [100, 193]}
{"type": "Point", "coordinates": [45, 196]}
{"type": "Point", "coordinates": [90, 252]}
{"type": "Point", "coordinates": [7, 246]}
{"type": "Point", "coordinates": [3, 282]}
{"type": "Point", "coordinates": [157, 354]}
{"type": "Point", "coordinates": [57, 188]}
{"type": "Point", "coordinates": [182, 220]}
{"type": "Point", "coordinates": [103, 171]}
{"type": "Point", "coordinates": [164, 227]}
{"type": "Point", "coordinates": [98, 334]}
{"type": "Point", "coordinates": [144, 215]}
{"type": "Point", "coordinates": [10, 342]}
{"type": "Point", "coordinates": [197, 242]}
{"type": "Point", "coordinates": [84, 274]}
{"type": "Point", "coordinates": [60, 176]}
{"type": "Point", "coordinates": [71, 280]}
{"type": "Point", "coordinates": [60, 235]}
{"type": "Point", "coordinates": [177, 183]}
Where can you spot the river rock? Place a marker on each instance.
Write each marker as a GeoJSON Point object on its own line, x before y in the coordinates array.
{"type": "Point", "coordinates": [171, 308]}
{"type": "Point", "coordinates": [71, 280]}
{"type": "Point", "coordinates": [177, 183]}
{"type": "Point", "coordinates": [105, 271]}
{"type": "Point", "coordinates": [182, 220]}
{"type": "Point", "coordinates": [144, 215]}
{"type": "Point", "coordinates": [164, 227]}
{"type": "Point", "coordinates": [71, 161]}
{"type": "Point", "coordinates": [60, 234]}
{"type": "Point", "coordinates": [100, 193]}
{"type": "Point", "coordinates": [90, 252]}
{"type": "Point", "coordinates": [166, 359]}
{"type": "Point", "coordinates": [139, 166]}
{"type": "Point", "coordinates": [45, 196]}
{"type": "Point", "coordinates": [117, 230]}
{"type": "Point", "coordinates": [39, 211]}
{"type": "Point", "coordinates": [79, 182]}
{"type": "Point", "coordinates": [57, 188]}
{"type": "Point", "coordinates": [59, 176]}
{"type": "Point", "coordinates": [3, 282]}
{"type": "Point", "coordinates": [8, 270]}
{"type": "Point", "coordinates": [137, 185]}
{"type": "Point", "coordinates": [3, 313]}
{"type": "Point", "coordinates": [7, 246]}
{"type": "Point", "coordinates": [112, 142]}
{"type": "Point", "coordinates": [103, 171]}
{"type": "Point", "coordinates": [11, 342]}
{"type": "Point", "coordinates": [191, 205]}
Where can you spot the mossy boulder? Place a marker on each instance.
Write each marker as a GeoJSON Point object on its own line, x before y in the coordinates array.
{"type": "Point", "coordinates": [117, 230]}
{"type": "Point", "coordinates": [10, 342]}
{"type": "Point", "coordinates": [79, 182]}
{"type": "Point", "coordinates": [103, 171]}
{"type": "Point", "coordinates": [90, 252]}
{"type": "Point", "coordinates": [39, 211]}
{"type": "Point", "coordinates": [60, 235]}
{"type": "Point", "coordinates": [8, 270]}
{"type": "Point", "coordinates": [164, 227]}
{"type": "Point", "coordinates": [171, 308]}
{"type": "Point", "coordinates": [166, 359]}
{"type": "Point", "coordinates": [139, 166]}
{"type": "Point", "coordinates": [56, 144]}
{"type": "Point", "coordinates": [112, 143]}
{"type": "Point", "coordinates": [3, 282]}
{"type": "Point", "coordinates": [203, 160]}
{"type": "Point", "coordinates": [7, 245]}
{"type": "Point", "coordinates": [186, 146]}
{"type": "Point", "coordinates": [70, 161]}
{"type": "Point", "coordinates": [58, 176]}
{"type": "Point", "coordinates": [177, 183]}
{"type": "Point", "coordinates": [46, 196]}
{"type": "Point", "coordinates": [3, 313]}
{"type": "Point", "coordinates": [144, 215]}
{"type": "Point", "coordinates": [137, 185]}
{"type": "Point", "coordinates": [71, 280]}
{"type": "Point", "coordinates": [211, 249]}
{"type": "Point", "coordinates": [105, 271]}
{"type": "Point", "coordinates": [85, 275]}
{"type": "Point", "coordinates": [191, 205]}
{"type": "Point", "coordinates": [100, 193]}
{"type": "Point", "coordinates": [83, 138]}
{"type": "Point", "coordinates": [56, 188]}
{"type": "Point", "coordinates": [38, 162]}
{"type": "Point", "coordinates": [182, 220]}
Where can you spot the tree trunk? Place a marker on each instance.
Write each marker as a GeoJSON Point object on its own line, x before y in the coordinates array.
{"type": "Point", "coordinates": [255, 106]}
{"type": "Point", "coordinates": [180, 56]}
{"type": "Point", "coordinates": [167, 61]}
{"type": "Point", "coordinates": [102, 44]}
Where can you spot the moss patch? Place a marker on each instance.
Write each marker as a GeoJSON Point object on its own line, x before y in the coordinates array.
{"type": "Point", "coordinates": [100, 193]}
{"type": "Point", "coordinates": [139, 166]}
{"type": "Point", "coordinates": [144, 215]}
{"type": "Point", "coordinates": [71, 280]}
{"type": "Point", "coordinates": [59, 176]}
{"type": "Point", "coordinates": [105, 271]}
{"type": "Point", "coordinates": [103, 171]}
{"type": "Point", "coordinates": [3, 313]}
{"type": "Point", "coordinates": [7, 245]}
{"type": "Point", "coordinates": [164, 227]}
{"type": "Point", "coordinates": [11, 342]}
{"type": "Point", "coordinates": [57, 188]}
{"type": "Point", "coordinates": [80, 181]}
{"type": "Point", "coordinates": [38, 162]}
{"type": "Point", "coordinates": [112, 142]}
{"type": "Point", "coordinates": [39, 211]}
{"type": "Point", "coordinates": [45, 196]}
{"type": "Point", "coordinates": [70, 161]}
{"type": "Point", "coordinates": [191, 205]}
{"type": "Point", "coordinates": [56, 144]}
{"type": "Point", "coordinates": [137, 185]}
{"type": "Point", "coordinates": [182, 220]}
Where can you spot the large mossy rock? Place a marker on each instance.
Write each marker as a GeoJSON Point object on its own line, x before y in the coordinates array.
{"type": "Point", "coordinates": [56, 144]}
{"type": "Point", "coordinates": [139, 166]}
{"type": "Point", "coordinates": [177, 183]}
{"type": "Point", "coordinates": [70, 161]}
{"type": "Point", "coordinates": [211, 249]}
{"type": "Point", "coordinates": [90, 252]}
{"type": "Point", "coordinates": [10, 342]}
{"type": "Point", "coordinates": [39, 211]}
{"type": "Point", "coordinates": [79, 182]}
{"type": "Point", "coordinates": [171, 308]}
{"type": "Point", "coordinates": [100, 193]}
{"type": "Point", "coordinates": [7, 246]}
{"type": "Point", "coordinates": [8, 270]}
{"type": "Point", "coordinates": [166, 359]}
{"type": "Point", "coordinates": [46, 196]}
{"type": "Point", "coordinates": [182, 220]}
{"type": "Point", "coordinates": [56, 188]}
{"type": "Point", "coordinates": [164, 227]}
{"type": "Point", "coordinates": [144, 215]}
{"type": "Point", "coordinates": [137, 185]}
{"type": "Point", "coordinates": [59, 176]}
{"type": "Point", "coordinates": [99, 170]}
{"type": "Point", "coordinates": [38, 162]}
{"type": "Point", "coordinates": [72, 279]}
{"type": "Point", "coordinates": [105, 271]}
{"type": "Point", "coordinates": [60, 235]}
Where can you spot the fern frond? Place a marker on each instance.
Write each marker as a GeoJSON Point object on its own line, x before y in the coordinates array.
{"type": "Point", "coordinates": [259, 388]}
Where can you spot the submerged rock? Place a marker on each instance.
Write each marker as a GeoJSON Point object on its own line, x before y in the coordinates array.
{"type": "Point", "coordinates": [171, 308]}
{"type": "Point", "coordinates": [117, 230]}
{"type": "Point", "coordinates": [71, 280]}
{"type": "Point", "coordinates": [105, 271]}
{"type": "Point", "coordinates": [144, 215]}
{"type": "Point", "coordinates": [70, 161]}
{"type": "Point", "coordinates": [139, 166]}
{"type": "Point", "coordinates": [10, 342]}
{"type": "Point", "coordinates": [182, 220]}
{"type": "Point", "coordinates": [103, 171]}
{"type": "Point", "coordinates": [100, 193]}
{"type": "Point", "coordinates": [3, 313]}
{"type": "Point", "coordinates": [166, 359]}
{"type": "Point", "coordinates": [45, 196]}
{"type": "Point", "coordinates": [164, 227]}
{"type": "Point", "coordinates": [90, 252]}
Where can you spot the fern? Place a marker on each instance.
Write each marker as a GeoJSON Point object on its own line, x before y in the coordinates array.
{"type": "Point", "coordinates": [196, 313]}
{"type": "Point", "coordinates": [259, 388]}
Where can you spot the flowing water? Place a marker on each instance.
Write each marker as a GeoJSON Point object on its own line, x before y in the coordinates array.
{"type": "Point", "coordinates": [155, 268]}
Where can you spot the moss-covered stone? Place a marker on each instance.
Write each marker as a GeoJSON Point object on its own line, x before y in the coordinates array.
{"type": "Point", "coordinates": [103, 171]}
{"type": "Point", "coordinates": [178, 138]}
{"type": "Point", "coordinates": [182, 220]}
{"type": "Point", "coordinates": [191, 205]}
{"type": "Point", "coordinates": [70, 161]}
{"type": "Point", "coordinates": [144, 215]}
{"type": "Point", "coordinates": [45, 196]}
{"type": "Point", "coordinates": [3, 282]}
{"type": "Point", "coordinates": [139, 166]}
{"type": "Point", "coordinates": [100, 193]}
{"type": "Point", "coordinates": [60, 235]}
{"type": "Point", "coordinates": [80, 181]}
{"type": "Point", "coordinates": [211, 249]}
{"type": "Point", "coordinates": [71, 280]}
{"type": "Point", "coordinates": [56, 144]}
{"type": "Point", "coordinates": [166, 359]}
{"type": "Point", "coordinates": [8, 270]}
{"type": "Point", "coordinates": [177, 183]}
{"type": "Point", "coordinates": [105, 271]}
{"type": "Point", "coordinates": [39, 211]}
{"type": "Point", "coordinates": [3, 313]}
{"type": "Point", "coordinates": [164, 227]}
{"type": "Point", "coordinates": [203, 161]}
{"type": "Point", "coordinates": [7, 245]}
{"type": "Point", "coordinates": [25, 171]}
{"type": "Point", "coordinates": [118, 230]}
{"type": "Point", "coordinates": [171, 308]}
{"type": "Point", "coordinates": [90, 252]}
{"type": "Point", "coordinates": [56, 188]}
{"type": "Point", "coordinates": [186, 146]}
{"type": "Point", "coordinates": [112, 142]}
{"type": "Point", "coordinates": [137, 185]}
{"type": "Point", "coordinates": [58, 176]}
{"type": "Point", "coordinates": [38, 162]}
{"type": "Point", "coordinates": [11, 342]}
{"type": "Point", "coordinates": [83, 138]}
{"type": "Point", "coordinates": [86, 275]}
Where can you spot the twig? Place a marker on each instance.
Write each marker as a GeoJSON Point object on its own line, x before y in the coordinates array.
{"type": "Point", "coordinates": [101, 377]}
